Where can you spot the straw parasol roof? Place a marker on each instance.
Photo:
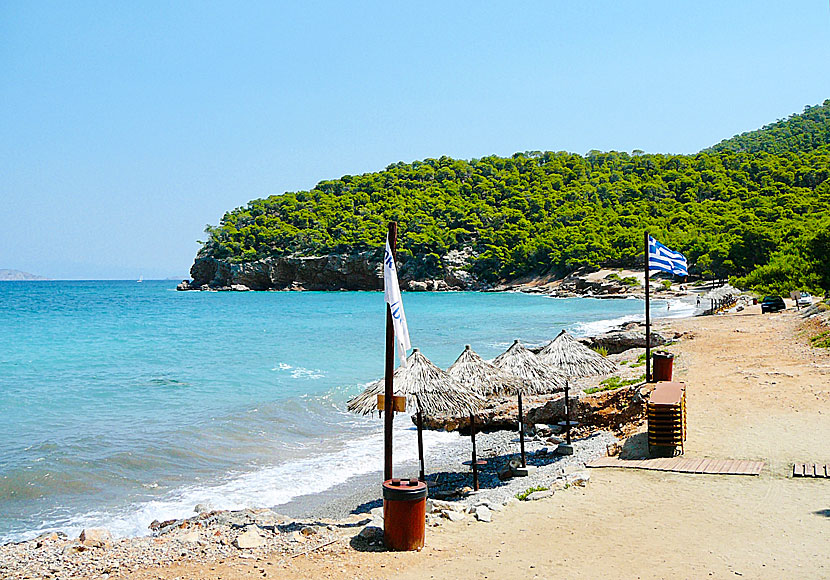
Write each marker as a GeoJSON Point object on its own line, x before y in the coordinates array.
{"type": "Point", "coordinates": [474, 372]}
{"type": "Point", "coordinates": [536, 376]}
{"type": "Point", "coordinates": [573, 358]}
{"type": "Point", "coordinates": [421, 382]}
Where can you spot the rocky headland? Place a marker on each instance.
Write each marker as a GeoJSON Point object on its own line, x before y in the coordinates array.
{"type": "Point", "coordinates": [362, 271]}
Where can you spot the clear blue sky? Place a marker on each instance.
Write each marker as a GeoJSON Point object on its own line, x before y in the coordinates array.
{"type": "Point", "coordinates": [125, 127]}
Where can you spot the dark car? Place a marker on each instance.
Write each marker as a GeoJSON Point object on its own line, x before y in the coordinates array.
{"type": "Point", "coordinates": [772, 304]}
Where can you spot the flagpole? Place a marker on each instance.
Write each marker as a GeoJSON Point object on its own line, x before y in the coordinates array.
{"type": "Point", "coordinates": [388, 414]}
{"type": "Point", "coordinates": [648, 315]}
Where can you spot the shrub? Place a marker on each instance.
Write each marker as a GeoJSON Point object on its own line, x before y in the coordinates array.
{"type": "Point", "coordinates": [612, 383]}
{"type": "Point", "coordinates": [523, 496]}
{"type": "Point", "coordinates": [601, 350]}
{"type": "Point", "coordinates": [821, 340]}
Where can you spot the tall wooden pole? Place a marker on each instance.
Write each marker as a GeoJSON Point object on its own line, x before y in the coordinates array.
{"type": "Point", "coordinates": [475, 457]}
{"type": "Point", "coordinates": [420, 443]}
{"type": "Point", "coordinates": [388, 413]}
{"type": "Point", "coordinates": [648, 316]}
{"type": "Point", "coordinates": [521, 431]}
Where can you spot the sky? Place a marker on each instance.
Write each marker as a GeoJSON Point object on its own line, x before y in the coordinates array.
{"type": "Point", "coordinates": [126, 127]}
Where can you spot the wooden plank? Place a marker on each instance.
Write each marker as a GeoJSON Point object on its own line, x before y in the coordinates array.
{"type": "Point", "coordinates": [677, 464]}
{"type": "Point", "coordinates": [798, 470]}
{"type": "Point", "coordinates": [704, 466]}
{"type": "Point", "coordinates": [717, 467]}
{"type": "Point", "coordinates": [741, 467]}
{"type": "Point", "coordinates": [748, 468]}
{"type": "Point", "coordinates": [827, 470]}
{"type": "Point", "coordinates": [665, 464]}
{"type": "Point", "coordinates": [755, 467]}
{"type": "Point", "coordinates": [694, 465]}
{"type": "Point", "coordinates": [733, 467]}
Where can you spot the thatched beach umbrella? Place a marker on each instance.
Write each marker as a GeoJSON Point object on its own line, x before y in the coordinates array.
{"type": "Point", "coordinates": [573, 359]}
{"type": "Point", "coordinates": [427, 388]}
{"type": "Point", "coordinates": [536, 378]}
{"type": "Point", "coordinates": [476, 374]}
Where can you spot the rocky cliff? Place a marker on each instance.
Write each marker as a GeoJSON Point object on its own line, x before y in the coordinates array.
{"type": "Point", "coordinates": [359, 271]}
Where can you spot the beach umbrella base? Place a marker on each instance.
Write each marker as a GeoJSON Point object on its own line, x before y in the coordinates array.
{"type": "Point", "coordinates": [518, 470]}
{"type": "Point", "coordinates": [565, 449]}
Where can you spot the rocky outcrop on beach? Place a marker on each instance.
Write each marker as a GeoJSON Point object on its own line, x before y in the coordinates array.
{"type": "Point", "coordinates": [358, 271]}
{"type": "Point", "coordinates": [618, 341]}
{"type": "Point", "coordinates": [608, 410]}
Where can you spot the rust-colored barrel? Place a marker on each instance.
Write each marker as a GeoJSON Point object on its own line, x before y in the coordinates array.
{"type": "Point", "coordinates": [404, 514]}
{"type": "Point", "coordinates": [663, 366]}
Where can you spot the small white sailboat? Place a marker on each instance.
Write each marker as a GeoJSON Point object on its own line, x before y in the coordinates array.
{"type": "Point", "coordinates": [140, 279]}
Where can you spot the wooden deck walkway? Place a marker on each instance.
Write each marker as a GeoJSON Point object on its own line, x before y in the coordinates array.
{"type": "Point", "coordinates": [685, 465]}
{"type": "Point", "coordinates": [811, 470]}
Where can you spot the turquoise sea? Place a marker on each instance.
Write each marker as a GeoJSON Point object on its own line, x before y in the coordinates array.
{"type": "Point", "coordinates": [124, 402]}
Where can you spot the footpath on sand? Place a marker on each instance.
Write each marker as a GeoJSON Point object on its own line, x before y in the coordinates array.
{"type": "Point", "coordinates": [756, 391]}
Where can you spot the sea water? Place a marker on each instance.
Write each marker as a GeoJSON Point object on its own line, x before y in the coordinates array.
{"type": "Point", "coordinates": [124, 402]}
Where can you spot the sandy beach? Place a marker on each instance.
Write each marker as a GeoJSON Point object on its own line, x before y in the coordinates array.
{"type": "Point", "coordinates": [756, 391]}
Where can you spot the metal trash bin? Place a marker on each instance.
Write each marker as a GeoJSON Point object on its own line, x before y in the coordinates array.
{"type": "Point", "coordinates": [404, 514]}
{"type": "Point", "coordinates": [663, 366]}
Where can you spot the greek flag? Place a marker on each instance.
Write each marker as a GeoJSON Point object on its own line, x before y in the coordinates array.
{"type": "Point", "coordinates": [392, 293]}
{"type": "Point", "coordinates": [662, 258]}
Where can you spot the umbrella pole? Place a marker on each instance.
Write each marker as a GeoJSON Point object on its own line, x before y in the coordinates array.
{"type": "Point", "coordinates": [521, 431]}
{"type": "Point", "coordinates": [567, 414]}
{"type": "Point", "coordinates": [421, 442]}
{"type": "Point", "coordinates": [475, 458]}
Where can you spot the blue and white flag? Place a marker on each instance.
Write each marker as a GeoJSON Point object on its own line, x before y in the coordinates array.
{"type": "Point", "coordinates": [662, 258]}
{"type": "Point", "coordinates": [392, 293]}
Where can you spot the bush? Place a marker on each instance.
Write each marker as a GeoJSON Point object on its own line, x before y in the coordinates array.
{"type": "Point", "coordinates": [523, 496]}
{"type": "Point", "coordinates": [821, 340]}
{"type": "Point", "coordinates": [612, 383]}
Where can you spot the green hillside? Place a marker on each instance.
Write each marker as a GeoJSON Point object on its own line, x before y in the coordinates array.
{"type": "Point", "coordinates": [797, 133]}
{"type": "Point", "coordinates": [753, 214]}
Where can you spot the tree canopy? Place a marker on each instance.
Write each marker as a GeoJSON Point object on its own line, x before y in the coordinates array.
{"type": "Point", "coordinates": [756, 207]}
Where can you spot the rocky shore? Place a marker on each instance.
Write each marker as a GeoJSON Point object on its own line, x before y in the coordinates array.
{"type": "Point", "coordinates": [362, 271]}
{"type": "Point", "coordinates": [215, 537]}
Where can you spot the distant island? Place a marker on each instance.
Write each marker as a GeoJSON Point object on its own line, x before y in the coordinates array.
{"type": "Point", "coordinates": [17, 276]}
{"type": "Point", "coordinates": [754, 208]}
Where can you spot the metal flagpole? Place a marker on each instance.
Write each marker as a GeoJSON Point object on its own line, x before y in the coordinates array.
{"type": "Point", "coordinates": [390, 369]}
{"type": "Point", "coordinates": [648, 318]}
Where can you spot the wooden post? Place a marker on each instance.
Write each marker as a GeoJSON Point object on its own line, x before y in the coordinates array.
{"type": "Point", "coordinates": [567, 413]}
{"type": "Point", "coordinates": [421, 442]}
{"type": "Point", "coordinates": [390, 369]}
{"type": "Point", "coordinates": [475, 458]}
{"type": "Point", "coordinates": [648, 317]}
{"type": "Point", "coordinates": [521, 431]}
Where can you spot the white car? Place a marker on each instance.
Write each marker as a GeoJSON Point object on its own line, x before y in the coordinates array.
{"type": "Point", "coordinates": [805, 299]}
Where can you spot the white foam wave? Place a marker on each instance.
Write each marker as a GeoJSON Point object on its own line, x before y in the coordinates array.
{"type": "Point", "coordinates": [300, 372]}
{"type": "Point", "coordinates": [600, 326]}
{"type": "Point", "coordinates": [267, 487]}
{"type": "Point", "coordinates": [678, 309]}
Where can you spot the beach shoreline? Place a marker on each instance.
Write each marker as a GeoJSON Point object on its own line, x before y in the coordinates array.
{"type": "Point", "coordinates": [730, 377]}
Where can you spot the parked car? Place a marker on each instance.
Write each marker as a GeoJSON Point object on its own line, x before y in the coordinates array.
{"type": "Point", "coordinates": [804, 299]}
{"type": "Point", "coordinates": [772, 304]}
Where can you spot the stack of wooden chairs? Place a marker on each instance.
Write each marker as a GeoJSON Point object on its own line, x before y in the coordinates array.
{"type": "Point", "coordinates": [666, 413]}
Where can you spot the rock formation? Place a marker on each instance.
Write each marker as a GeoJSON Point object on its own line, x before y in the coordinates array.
{"type": "Point", "coordinates": [359, 271]}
